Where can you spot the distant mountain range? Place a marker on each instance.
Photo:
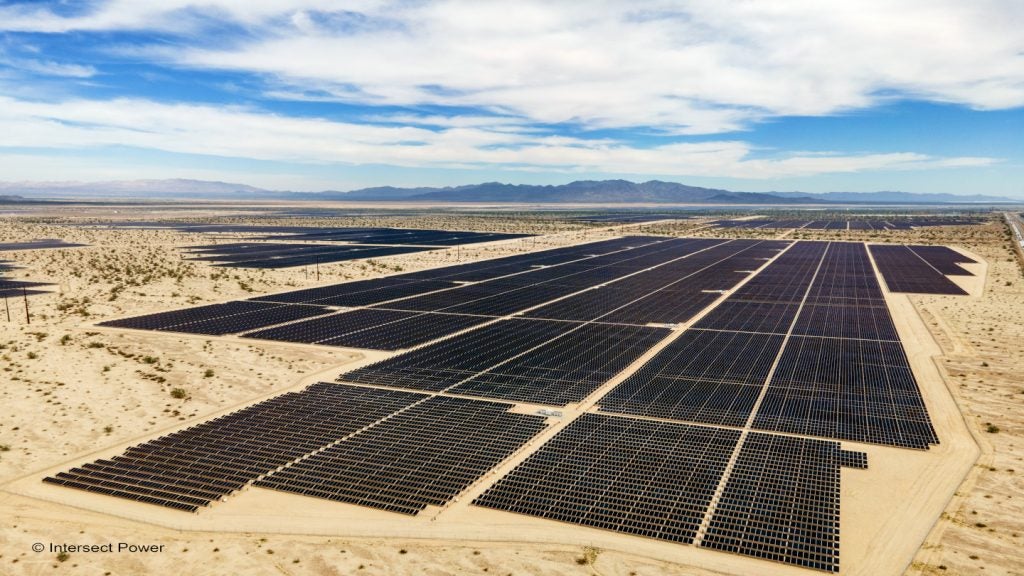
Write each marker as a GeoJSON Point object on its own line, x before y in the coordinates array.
{"type": "Point", "coordinates": [579, 192]}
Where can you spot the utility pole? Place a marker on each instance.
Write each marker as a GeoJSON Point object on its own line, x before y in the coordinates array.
{"type": "Point", "coordinates": [318, 268]}
{"type": "Point", "coordinates": [8, 307]}
{"type": "Point", "coordinates": [24, 293]}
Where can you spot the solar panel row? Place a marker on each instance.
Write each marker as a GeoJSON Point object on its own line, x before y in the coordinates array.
{"type": "Point", "coordinates": [843, 373]}
{"type": "Point", "coordinates": [219, 319]}
{"type": "Point", "coordinates": [906, 271]}
{"type": "Point", "coordinates": [781, 502]}
{"type": "Point", "coordinates": [715, 375]}
{"type": "Point", "coordinates": [207, 462]}
{"type": "Point", "coordinates": [519, 359]}
{"type": "Point", "coordinates": [642, 477]}
{"type": "Point", "coordinates": [702, 376]}
{"type": "Point", "coordinates": [671, 293]}
{"type": "Point", "coordinates": [378, 290]}
{"type": "Point", "coordinates": [944, 259]}
{"type": "Point", "coordinates": [882, 223]}
{"type": "Point", "coordinates": [392, 330]}
{"type": "Point", "coordinates": [376, 329]}
{"type": "Point", "coordinates": [425, 455]}
{"type": "Point", "coordinates": [861, 390]}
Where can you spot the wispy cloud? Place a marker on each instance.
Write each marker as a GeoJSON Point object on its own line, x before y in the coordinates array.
{"type": "Point", "coordinates": [608, 86]}
{"type": "Point", "coordinates": [693, 67]}
{"type": "Point", "coordinates": [247, 133]}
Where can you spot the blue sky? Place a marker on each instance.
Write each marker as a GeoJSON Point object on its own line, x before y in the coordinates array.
{"type": "Point", "coordinates": [915, 95]}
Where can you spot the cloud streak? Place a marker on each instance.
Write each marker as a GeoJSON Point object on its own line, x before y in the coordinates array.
{"type": "Point", "coordinates": [247, 133]}
{"type": "Point", "coordinates": [691, 67]}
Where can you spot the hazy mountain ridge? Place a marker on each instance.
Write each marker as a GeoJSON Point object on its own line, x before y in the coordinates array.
{"type": "Point", "coordinates": [580, 191]}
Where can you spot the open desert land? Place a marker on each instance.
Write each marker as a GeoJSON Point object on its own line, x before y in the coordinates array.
{"type": "Point", "coordinates": [76, 392]}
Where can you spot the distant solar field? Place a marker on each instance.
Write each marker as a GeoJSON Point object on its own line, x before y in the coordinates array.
{"type": "Point", "coordinates": [289, 246]}
{"type": "Point", "coordinates": [860, 223]}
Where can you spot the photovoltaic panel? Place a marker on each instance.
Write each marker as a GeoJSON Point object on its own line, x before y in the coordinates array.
{"type": "Point", "coordinates": [358, 293]}
{"type": "Point", "coordinates": [862, 390]}
{"type": "Point", "coordinates": [781, 502]}
{"type": "Point", "coordinates": [641, 477]}
{"type": "Point", "coordinates": [207, 462]}
{"type": "Point", "coordinates": [905, 271]}
{"type": "Point", "coordinates": [248, 320]}
{"type": "Point", "coordinates": [340, 255]}
{"type": "Point", "coordinates": [750, 316]}
{"type": "Point", "coordinates": [566, 369]}
{"type": "Point", "coordinates": [408, 332]}
{"type": "Point", "coordinates": [450, 361]}
{"type": "Point", "coordinates": [316, 330]}
{"type": "Point", "coordinates": [164, 320]}
{"type": "Point", "coordinates": [702, 376]}
{"type": "Point", "coordinates": [423, 456]}
{"type": "Point", "coordinates": [43, 244]}
{"type": "Point", "coordinates": [944, 259]}
{"type": "Point", "coordinates": [838, 321]}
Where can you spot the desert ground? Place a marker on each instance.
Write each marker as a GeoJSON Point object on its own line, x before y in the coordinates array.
{"type": "Point", "coordinates": [73, 390]}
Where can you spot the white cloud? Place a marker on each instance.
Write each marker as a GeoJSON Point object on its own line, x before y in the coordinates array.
{"type": "Point", "coordinates": [246, 133]}
{"type": "Point", "coordinates": [685, 67]}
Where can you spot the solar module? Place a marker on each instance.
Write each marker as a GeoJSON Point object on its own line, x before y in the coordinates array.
{"type": "Point", "coordinates": [781, 502]}
{"type": "Point", "coordinates": [422, 456]}
{"type": "Point", "coordinates": [445, 363]}
{"type": "Point", "coordinates": [164, 320]}
{"type": "Point", "coordinates": [905, 271]}
{"type": "Point", "coordinates": [641, 477]}
{"type": "Point", "coordinates": [245, 321]}
{"type": "Point", "coordinates": [207, 462]}
{"type": "Point", "coordinates": [702, 376]}
{"type": "Point", "coordinates": [944, 259]}
{"type": "Point", "coordinates": [359, 293]}
{"type": "Point", "coordinates": [862, 390]}
{"type": "Point", "coordinates": [566, 369]}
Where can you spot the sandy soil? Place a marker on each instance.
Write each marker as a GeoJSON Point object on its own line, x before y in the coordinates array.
{"type": "Point", "coordinates": [67, 392]}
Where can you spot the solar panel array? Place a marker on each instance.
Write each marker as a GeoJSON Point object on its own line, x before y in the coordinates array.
{"type": "Point", "coordinates": [904, 270]}
{"type": "Point", "coordinates": [781, 502]}
{"type": "Point", "coordinates": [190, 469]}
{"type": "Point", "coordinates": [842, 372]}
{"type": "Point", "coordinates": [859, 390]}
{"type": "Point", "coordinates": [702, 376]}
{"type": "Point", "coordinates": [371, 328]}
{"type": "Point", "coordinates": [452, 360]}
{"type": "Point", "coordinates": [669, 294]}
{"type": "Point", "coordinates": [288, 246]}
{"type": "Point", "coordinates": [853, 380]}
{"type": "Point", "coordinates": [423, 456]}
{"type": "Point", "coordinates": [642, 477]}
{"type": "Point", "coordinates": [281, 255]}
{"type": "Point", "coordinates": [394, 236]}
{"type": "Point", "coordinates": [805, 347]}
{"type": "Point", "coordinates": [220, 319]}
{"type": "Point", "coordinates": [10, 288]}
{"type": "Point", "coordinates": [715, 373]}
{"type": "Point", "coordinates": [944, 259]}
{"type": "Point", "coordinates": [303, 316]}
{"type": "Point", "coordinates": [863, 223]}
